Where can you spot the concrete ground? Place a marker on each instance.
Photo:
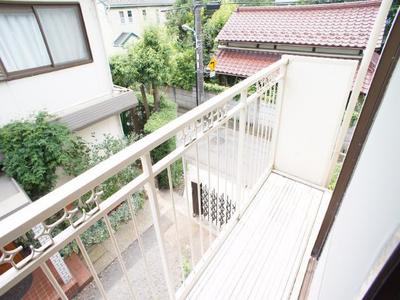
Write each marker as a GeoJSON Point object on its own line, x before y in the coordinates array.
{"type": "Point", "coordinates": [109, 270]}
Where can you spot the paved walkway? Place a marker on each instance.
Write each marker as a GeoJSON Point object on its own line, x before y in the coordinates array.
{"type": "Point", "coordinates": [109, 270]}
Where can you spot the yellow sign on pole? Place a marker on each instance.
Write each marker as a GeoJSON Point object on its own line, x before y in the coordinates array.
{"type": "Point", "coordinates": [212, 64]}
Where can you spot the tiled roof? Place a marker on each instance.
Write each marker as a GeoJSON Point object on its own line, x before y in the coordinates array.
{"type": "Point", "coordinates": [339, 24]}
{"type": "Point", "coordinates": [243, 63]}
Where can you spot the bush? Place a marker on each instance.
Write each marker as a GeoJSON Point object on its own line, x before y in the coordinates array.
{"type": "Point", "coordinates": [183, 72]}
{"type": "Point", "coordinates": [34, 149]}
{"type": "Point", "coordinates": [214, 87]}
{"type": "Point", "coordinates": [166, 114]}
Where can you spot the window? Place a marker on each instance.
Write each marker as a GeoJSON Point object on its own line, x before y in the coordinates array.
{"type": "Point", "coordinates": [144, 13]}
{"type": "Point", "coordinates": [130, 18]}
{"type": "Point", "coordinates": [122, 16]}
{"type": "Point", "coordinates": [41, 38]}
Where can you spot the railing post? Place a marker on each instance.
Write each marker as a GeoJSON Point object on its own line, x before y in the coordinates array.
{"type": "Point", "coordinates": [240, 158]}
{"type": "Point", "coordinates": [278, 105]}
{"type": "Point", "coordinates": [150, 188]}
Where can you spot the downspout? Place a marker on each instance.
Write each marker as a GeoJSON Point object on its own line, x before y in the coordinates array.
{"type": "Point", "coordinates": [362, 72]}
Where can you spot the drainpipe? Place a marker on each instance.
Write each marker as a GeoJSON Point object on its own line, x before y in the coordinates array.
{"type": "Point", "coordinates": [362, 72]}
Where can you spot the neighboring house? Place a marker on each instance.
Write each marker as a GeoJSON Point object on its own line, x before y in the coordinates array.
{"type": "Point", "coordinates": [255, 37]}
{"type": "Point", "coordinates": [52, 58]}
{"type": "Point", "coordinates": [123, 21]}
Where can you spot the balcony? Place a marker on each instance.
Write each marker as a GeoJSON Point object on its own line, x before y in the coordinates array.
{"type": "Point", "coordinates": [256, 161]}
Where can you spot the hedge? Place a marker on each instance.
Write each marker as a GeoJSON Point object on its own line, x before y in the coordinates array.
{"type": "Point", "coordinates": [167, 113]}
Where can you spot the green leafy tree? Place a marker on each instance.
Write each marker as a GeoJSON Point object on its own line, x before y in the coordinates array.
{"type": "Point", "coordinates": [214, 25]}
{"type": "Point", "coordinates": [150, 61]}
{"type": "Point", "coordinates": [34, 149]}
{"type": "Point", "coordinates": [183, 73]}
{"type": "Point", "coordinates": [181, 13]}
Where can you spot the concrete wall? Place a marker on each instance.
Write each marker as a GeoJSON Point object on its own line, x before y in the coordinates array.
{"type": "Point", "coordinates": [185, 100]}
{"type": "Point", "coordinates": [112, 26]}
{"type": "Point", "coordinates": [370, 212]}
{"type": "Point", "coordinates": [61, 89]}
{"type": "Point", "coordinates": [315, 93]}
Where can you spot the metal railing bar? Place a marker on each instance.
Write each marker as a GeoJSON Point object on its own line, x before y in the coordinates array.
{"type": "Point", "coordinates": [171, 194]}
{"type": "Point", "coordinates": [53, 281]}
{"type": "Point", "coordinates": [20, 222]}
{"type": "Point", "coordinates": [199, 195]}
{"type": "Point", "coordinates": [141, 248]}
{"type": "Point", "coordinates": [155, 212]}
{"type": "Point", "coordinates": [209, 190]}
{"type": "Point", "coordinates": [91, 267]}
{"type": "Point", "coordinates": [119, 256]}
{"type": "Point", "coordinates": [184, 167]}
{"type": "Point", "coordinates": [69, 234]}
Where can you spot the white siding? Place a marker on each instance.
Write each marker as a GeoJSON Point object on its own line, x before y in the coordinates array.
{"type": "Point", "coordinates": [61, 89]}
{"type": "Point", "coordinates": [370, 212]}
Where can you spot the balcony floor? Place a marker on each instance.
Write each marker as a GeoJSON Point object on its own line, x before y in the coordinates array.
{"type": "Point", "coordinates": [266, 254]}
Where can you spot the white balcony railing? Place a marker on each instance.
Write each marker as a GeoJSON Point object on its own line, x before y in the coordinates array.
{"type": "Point", "coordinates": [245, 117]}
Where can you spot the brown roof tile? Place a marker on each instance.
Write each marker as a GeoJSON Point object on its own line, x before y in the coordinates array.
{"type": "Point", "coordinates": [340, 24]}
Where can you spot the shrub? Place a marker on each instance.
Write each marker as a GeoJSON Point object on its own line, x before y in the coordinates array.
{"type": "Point", "coordinates": [183, 72]}
{"type": "Point", "coordinates": [214, 87]}
{"type": "Point", "coordinates": [34, 149]}
{"type": "Point", "coordinates": [166, 114]}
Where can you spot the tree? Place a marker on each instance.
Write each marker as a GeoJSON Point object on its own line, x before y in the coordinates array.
{"type": "Point", "coordinates": [150, 61]}
{"type": "Point", "coordinates": [183, 73]}
{"type": "Point", "coordinates": [214, 25]}
{"type": "Point", "coordinates": [180, 14]}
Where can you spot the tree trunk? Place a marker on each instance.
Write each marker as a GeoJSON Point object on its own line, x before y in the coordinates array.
{"type": "Point", "coordinates": [137, 126]}
{"type": "Point", "coordinates": [144, 100]}
{"type": "Point", "coordinates": [156, 96]}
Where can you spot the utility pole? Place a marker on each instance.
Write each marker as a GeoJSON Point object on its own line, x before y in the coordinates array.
{"type": "Point", "coordinates": [197, 5]}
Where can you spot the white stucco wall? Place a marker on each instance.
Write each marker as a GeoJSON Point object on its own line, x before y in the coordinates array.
{"type": "Point", "coordinates": [112, 26]}
{"type": "Point", "coordinates": [370, 212]}
{"type": "Point", "coordinates": [95, 133]}
{"type": "Point", "coordinates": [61, 89]}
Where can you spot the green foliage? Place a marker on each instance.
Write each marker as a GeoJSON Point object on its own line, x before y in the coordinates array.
{"type": "Point", "coordinates": [214, 87]}
{"type": "Point", "coordinates": [121, 70]}
{"type": "Point", "coordinates": [98, 232]}
{"type": "Point", "coordinates": [34, 149]}
{"type": "Point", "coordinates": [181, 14]}
{"type": "Point", "coordinates": [187, 268]}
{"type": "Point", "coordinates": [335, 176]}
{"type": "Point", "coordinates": [214, 25]}
{"type": "Point", "coordinates": [149, 58]}
{"type": "Point", "coordinates": [166, 114]}
{"type": "Point", "coordinates": [110, 146]}
{"type": "Point", "coordinates": [183, 72]}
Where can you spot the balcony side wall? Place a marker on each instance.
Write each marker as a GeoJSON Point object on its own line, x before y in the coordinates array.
{"type": "Point", "coordinates": [315, 93]}
{"type": "Point", "coordinates": [370, 212]}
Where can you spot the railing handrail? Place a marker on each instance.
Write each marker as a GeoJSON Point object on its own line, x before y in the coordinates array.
{"type": "Point", "coordinates": [23, 220]}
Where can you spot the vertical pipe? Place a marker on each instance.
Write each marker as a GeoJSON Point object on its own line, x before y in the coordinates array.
{"type": "Point", "coordinates": [362, 71]}
{"type": "Point", "coordinates": [150, 188]}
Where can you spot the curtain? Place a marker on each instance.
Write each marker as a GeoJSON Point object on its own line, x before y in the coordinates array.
{"type": "Point", "coordinates": [63, 30]}
{"type": "Point", "coordinates": [21, 43]}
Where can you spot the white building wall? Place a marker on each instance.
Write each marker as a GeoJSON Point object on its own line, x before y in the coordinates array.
{"type": "Point", "coordinates": [370, 212]}
{"type": "Point", "coordinates": [95, 133]}
{"type": "Point", "coordinates": [60, 89]}
{"type": "Point", "coordinates": [112, 26]}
